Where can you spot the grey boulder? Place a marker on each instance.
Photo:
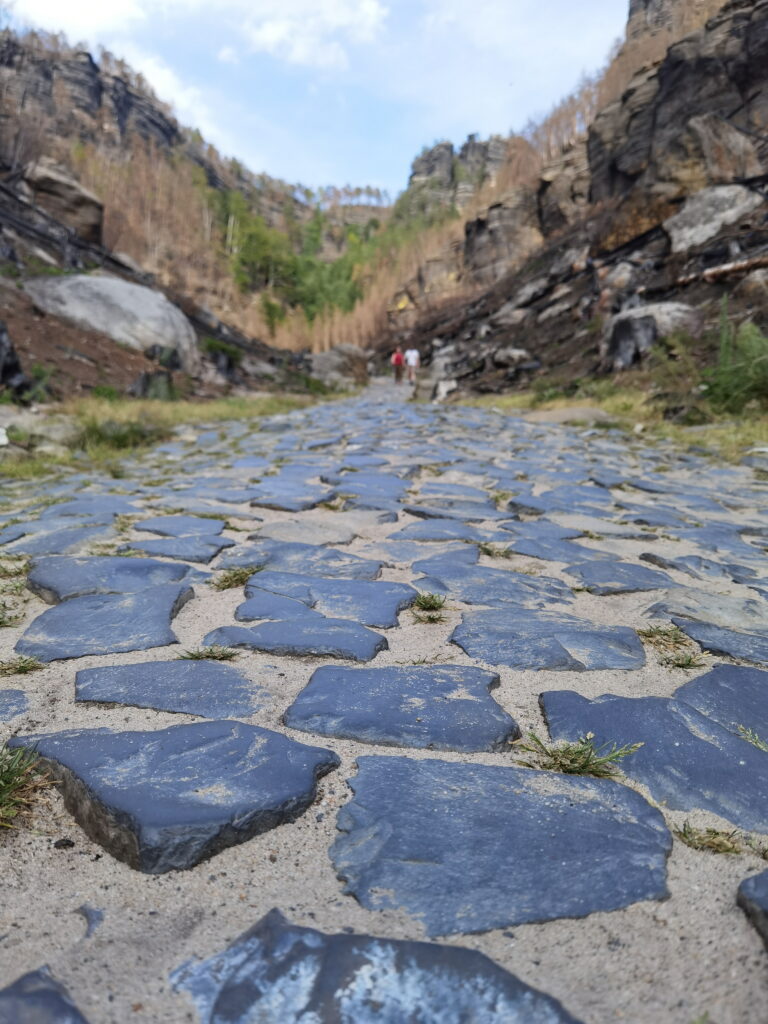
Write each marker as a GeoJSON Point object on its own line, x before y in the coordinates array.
{"type": "Point", "coordinates": [128, 313]}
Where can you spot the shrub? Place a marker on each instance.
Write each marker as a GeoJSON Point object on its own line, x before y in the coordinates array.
{"type": "Point", "coordinates": [741, 374]}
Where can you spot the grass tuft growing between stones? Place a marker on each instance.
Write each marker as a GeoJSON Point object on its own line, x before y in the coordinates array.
{"type": "Point", "coordinates": [430, 602]}
{"type": "Point", "coordinates": [664, 637]}
{"type": "Point", "coordinates": [689, 660]}
{"type": "Point", "coordinates": [20, 666]}
{"type": "Point", "coordinates": [579, 758]}
{"type": "Point", "coordinates": [430, 619]}
{"type": "Point", "coordinates": [752, 737]}
{"type": "Point", "coordinates": [237, 577]}
{"type": "Point", "coordinates": [214, 653]}
{"type": "Point", "coordinates": [9, 615]}
{"type": "Point", "coordinates": [494, 551]}
{"type": "Point", "coordinates": [21, 779]}
{"type": "Point", "coordinates": [710, 839]}
{"type": "Point", "coordinates": [14, 569]}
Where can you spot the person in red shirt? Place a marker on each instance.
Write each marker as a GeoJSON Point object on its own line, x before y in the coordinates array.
{"type": "Point", "coordinates": [398, 362]}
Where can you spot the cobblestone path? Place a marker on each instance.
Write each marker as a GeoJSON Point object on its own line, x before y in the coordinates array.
{"type": "Point", "coordinates": [324, 816]}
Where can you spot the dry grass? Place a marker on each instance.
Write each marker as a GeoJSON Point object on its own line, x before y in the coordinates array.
{"type": "Point", "coordinates": [229, 579]}
{"type": "Point", "coordinates": [21, 781]}
{"type": "Point", "coordinates": [717, 841]}
{"type": "Point", "coordinates": [20, 666]}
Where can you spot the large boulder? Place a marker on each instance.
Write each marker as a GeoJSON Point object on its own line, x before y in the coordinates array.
{"type": "Point", "coordinates": [59, 194]}
{"type": "Point", "coordinates": [564, 188]}
{"type": "Point", "coordinates": [706, 213]}
{"type": "Point", "coordinates": [132, 315]}
{"type": "Point", "coordinates": [631, 334]}
{"type": "Point", "coordinates": [344, 366]}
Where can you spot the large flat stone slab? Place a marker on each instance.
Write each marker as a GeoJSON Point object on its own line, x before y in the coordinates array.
{"type": "Point", "coordinates": [309, 636]}
{"type": "Point", "coordinates": [687, 761]}
{"type": "Point", "coordinates": [558, 643]}
{"type": "Point", "coordinates": [438, 707]}
{"type": "Point", "coordinates": [58, 578]}
{"type": "Point", "coordinates": [747, 646]}
{"type": "Point", "coordinates": [303, 559]}
{"type": "Point", "coordinates": [752, 897]}
{"type": "Point", "coordinates": [469, 848]}
{"type": "Point", "coordinates": [181, 526]}
{"type": "Point", "coordinates": [37, 998]}
{"type": "Point", "coordinates": [370, 603]}
{"type": "Point", "coordinates": [205, 688]}
{"type": "Point", "coordinates": [279, 972]}
{"type": "Point", "coordinates": [731, 695]}
{"type": "Point", "coordinates": [166, 800]}
{"type": "Point", "coordinates": [604, 577]}
{"type": "Point", "coordinates": [194, 548]}
{"type": "Point", "coordinates": [106, 624]}
{"type": "Point", "coordinates": [477, 584]}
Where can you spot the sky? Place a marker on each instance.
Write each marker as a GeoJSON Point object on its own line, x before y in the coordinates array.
{"type": "Point", "coordinates": [335, 92]}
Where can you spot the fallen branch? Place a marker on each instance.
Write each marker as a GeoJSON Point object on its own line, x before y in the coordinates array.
{"type": "Point", "coordinates": [724, 270]}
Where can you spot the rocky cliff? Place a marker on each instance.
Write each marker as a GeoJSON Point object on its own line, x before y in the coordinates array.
{"type": "Point", "coordinates": [641, 231]}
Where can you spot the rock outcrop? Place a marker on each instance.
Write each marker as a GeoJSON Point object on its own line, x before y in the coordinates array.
{"type": "Point", "coordinates": [55, 190]}
{"type": "Point", "coordinates": [130, 314]}
{"type": "Point", "coordinates": [630, 238]}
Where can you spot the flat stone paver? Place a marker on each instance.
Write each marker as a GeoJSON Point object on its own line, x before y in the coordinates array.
{"type": "Point", "coordinates": [204, 688]}
{"type": "Point", "coordinates": [166, 800]}
{"type": "Point", "coordinates": [280, 972]}
{"type": "Point", "coordinates": [103, 624]}
{"type": "Point", "coordinates": [444, 707]}
{"type": "Point", "coordinates": [421, 836]}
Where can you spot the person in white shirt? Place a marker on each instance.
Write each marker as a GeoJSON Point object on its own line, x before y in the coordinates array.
{"type": "Point", "coordinates": [413, 362]}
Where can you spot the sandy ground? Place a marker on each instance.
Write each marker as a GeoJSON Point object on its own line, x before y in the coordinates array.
{"type": "Point", "coordinates": [674, 962]}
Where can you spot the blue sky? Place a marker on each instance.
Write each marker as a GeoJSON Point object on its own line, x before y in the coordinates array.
{"type": "Point", "coordinates": [345, 91]}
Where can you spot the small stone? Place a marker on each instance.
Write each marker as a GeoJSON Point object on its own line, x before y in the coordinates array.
{"type": "Point", "coordinates": [37, 998]}
{"type": "Point", "coordinates": [753, 899]}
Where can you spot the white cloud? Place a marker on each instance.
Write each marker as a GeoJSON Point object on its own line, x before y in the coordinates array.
{"type": "Point", "coordinates": [315, 35]}
{"type": "Point", "coordinates": [83, 19]}
{"type": "Point", "coordinates": [228, 55]}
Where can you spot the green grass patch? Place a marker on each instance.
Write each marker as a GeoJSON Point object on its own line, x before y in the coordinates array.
{"type": "Point", "coordinates": [430, 602]}
{"type": "Point", "coordinates": [686, 660]}
{"type": "Point", "coordinates": [231, 578]}
{"type": "Point", "coordinates": [214, 653]}
{"type": "Point", "coordinates": [21, 780]}
{"type": "Point", "coordinates": [710, 839]}
{"type": "Point", "coordinates": [664, 638]}
{"type": "Point", "coordinates": [579, 758]}
{"type": "Point", "coordinates": [20, 666]}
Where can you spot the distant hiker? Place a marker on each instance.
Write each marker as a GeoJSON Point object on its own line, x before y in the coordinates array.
{"type": "Point", "coordinates": [413, 362]}
{"type": "Point", "coordinates": [398, 361]}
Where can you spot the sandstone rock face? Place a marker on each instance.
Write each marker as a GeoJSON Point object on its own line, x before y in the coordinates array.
{"type": "Point", "coordinates": [696, 119]}
{"type": "Point", "coordinates": [503, 237]}
{"type": "Point", "coordinates": [707, 212]}
{"type": "Point", "coordinates": [57, 192]}
{"type": "Point", "coordinates": [564, 188]}
{"type": "Point", "coordinates": [130, 314]}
